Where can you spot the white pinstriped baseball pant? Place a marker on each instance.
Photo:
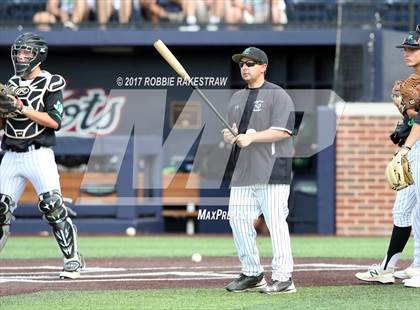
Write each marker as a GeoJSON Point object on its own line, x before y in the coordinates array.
{"type": "Point", "coordinates": [37, 166]}
{"type": "Point", "coordinates": [405, 200]}
{"type": "Point", "coordinates": [406, 211]}
{"type": "Point", "coordinates": [246, 204]}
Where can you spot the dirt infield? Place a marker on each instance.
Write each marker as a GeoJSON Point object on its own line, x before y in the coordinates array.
{"type": "Point", "coordinates": [26, 276]}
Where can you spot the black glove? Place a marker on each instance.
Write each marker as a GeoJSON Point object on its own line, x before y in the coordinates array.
{"type": "Point", "coordinates": [401, 132]}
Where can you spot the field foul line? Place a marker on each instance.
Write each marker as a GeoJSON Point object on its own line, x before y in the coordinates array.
{"type": "Point", "coordinates": [48, 277]}
{"type": "Point", "coordinates": [313, 269]}
{"type": "Point", "coordinates": [112, 280]}
{"type": "Point", "coordinates": [129, 275]}
{"type": "Point", "coordinates": [52, 274]}
{"type": "Point", "coordinates": [88, 269]}
{"type": "Point", "coordinates": [223, 274]}
{"type": "Point", "coordinates": [101, 269]}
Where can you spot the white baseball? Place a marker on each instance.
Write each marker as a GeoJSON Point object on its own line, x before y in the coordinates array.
{"type": "Point", "coordinates": [130, 231]}
{"type": "Point", "coordinates": [44, 233]}
{"type": "Point", "coordinates": [196, 258]}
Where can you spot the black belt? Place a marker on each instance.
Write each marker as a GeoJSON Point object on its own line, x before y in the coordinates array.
{"type": "Point", "coordinates": [31, 147]}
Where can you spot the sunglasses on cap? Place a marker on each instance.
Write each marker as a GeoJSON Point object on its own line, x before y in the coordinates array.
{"type": "Point", "coordinates": [249, 63]}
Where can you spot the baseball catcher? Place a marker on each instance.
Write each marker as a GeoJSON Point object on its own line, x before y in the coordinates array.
{"type": "Point", "coordinates": [31, 111]}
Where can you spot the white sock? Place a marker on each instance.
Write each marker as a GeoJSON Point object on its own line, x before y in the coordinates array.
{"type": "Point", "coordinates": [214, 19]}
{"type": "Point", "coordinates": [392, 262]}
{"type": "Point", "coordinates": [191, 20]}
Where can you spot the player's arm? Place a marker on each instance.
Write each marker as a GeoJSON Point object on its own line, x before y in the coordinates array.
{"type": "Point", "coordinates": [2, 123]}
{"type": "Point", "coordinates": [265, 136]}
{"type": "Point", "coordinates": [53, 101]}
{"type": "Point", "coordinates": [54, 111]}
{"type": "Point", "coordinates": [412, 137]}
{"type": "Point", "coordinates": [41, 118]}
{"type": "Point", "coordinates": [414, 133]}
{"type": "Point", "coordinates": [268, 135]}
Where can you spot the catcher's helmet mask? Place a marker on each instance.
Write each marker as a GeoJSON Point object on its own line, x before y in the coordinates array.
{"type": "Point", "coordinates": [28, 42]}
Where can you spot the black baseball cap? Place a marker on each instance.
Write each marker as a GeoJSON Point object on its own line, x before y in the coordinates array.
{"type": "Point", "coordinates": [412, 40]}
{"type": "Point", "coordinates": [252, 53]}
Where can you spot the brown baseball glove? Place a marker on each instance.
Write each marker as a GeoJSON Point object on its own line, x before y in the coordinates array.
{"type": "Point", "coordinates": [406, 93]}
{"type": "Point", "coordinates": [10, 106]}
{"type": "Point", "coordinates": [398, 173]}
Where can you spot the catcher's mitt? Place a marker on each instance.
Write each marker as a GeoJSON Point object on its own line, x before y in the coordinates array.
{"type": "Point", "coordinates": [406, 93]}
{"type": "Point", "coordinates": [402, 130]}
{"type": "Point", "coordinates": [9, 105]}
{"type": "Point", "coordinates": [398, 173]}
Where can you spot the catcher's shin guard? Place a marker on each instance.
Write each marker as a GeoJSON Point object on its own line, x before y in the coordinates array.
{"type": "Point", "coordinates": [7, 205]}
{"type": "Point", "coordinates": [55, 213]}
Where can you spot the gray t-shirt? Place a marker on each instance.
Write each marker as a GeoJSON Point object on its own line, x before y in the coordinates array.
{"type": "Point", "coordinates": [263, 163]}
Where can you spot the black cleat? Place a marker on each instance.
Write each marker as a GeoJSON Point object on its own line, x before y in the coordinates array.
{"type": "Point", "coordinates": [278, 287]}
{"type": "Point", "coordinates": [244, 283]}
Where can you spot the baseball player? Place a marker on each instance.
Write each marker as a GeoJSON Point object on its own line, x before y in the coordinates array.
{"type": "Point", "coordinates": [262, 115]}
{"type": "Point", "coordinates": [27, 142]}
{"type": "Point", "coordinates": [406, 211]}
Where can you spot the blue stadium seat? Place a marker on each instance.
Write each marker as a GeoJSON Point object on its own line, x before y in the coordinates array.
{"type": "Point", "coordinates": [16, 12]}
{"type": "Point", "coordinates": [310, 13]}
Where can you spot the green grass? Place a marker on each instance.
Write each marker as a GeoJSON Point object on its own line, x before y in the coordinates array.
{"type": "Point", "coordinates": [183, 246]}
{"type": "Point", "coordinates": [338, 297]}
{"type": "Point", "coordinates": [334, 297]}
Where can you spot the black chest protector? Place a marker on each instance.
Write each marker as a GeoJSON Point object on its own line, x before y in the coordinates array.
{"type": "Point", "coordinates": [32, 93]}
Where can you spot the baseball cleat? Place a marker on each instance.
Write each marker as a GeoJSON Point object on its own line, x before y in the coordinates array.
{"type": "Point", "coordinates": [279, 287]}
{"type": "Point", "coordinates": [407, 273]}
{"type": "Point", "coordinates": [244, 283]}
{"type": "Point", "coordinates": [375, 273]}
{"type": "Point", "coordinates": [69, 275]}
{"type": "Point", "coordinates": [412, 282]}
{"type": "Point", "coordinates": [72, 267]}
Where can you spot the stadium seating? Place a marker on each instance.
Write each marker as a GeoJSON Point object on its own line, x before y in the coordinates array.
{"type": "Point", "coordinates": [398, 15]}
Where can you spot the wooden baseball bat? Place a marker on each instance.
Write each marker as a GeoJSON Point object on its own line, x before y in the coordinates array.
{"type": "Point", "coordinates": [179, 69]}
